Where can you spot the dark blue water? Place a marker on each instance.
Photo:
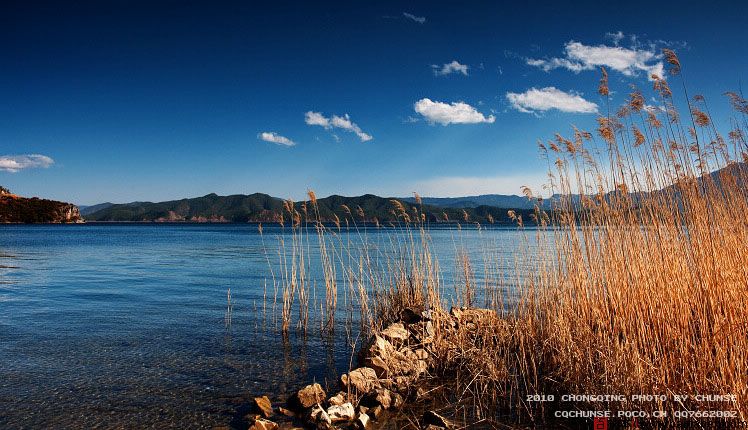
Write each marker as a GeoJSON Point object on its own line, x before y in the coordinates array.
{"type": "Point", "coordinates": [128, 326]}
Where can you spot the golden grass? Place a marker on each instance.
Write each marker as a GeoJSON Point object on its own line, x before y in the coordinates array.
{"type": "Point", "coordinates": [636, 281]}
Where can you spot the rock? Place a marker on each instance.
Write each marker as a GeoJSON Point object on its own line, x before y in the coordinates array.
{"type": "Point", "coordinates": [264, 405]}
{"type": "Point", "coordinates": [379, 397]}
{"type": "Point", "coordinates": [344, 412]}
{"type": "Point", "coordinates": [386, 361]}
{"type": "Point", "coordinates": [308, 396]}
{"type": "Point", "coordinates": [408, 316]}
{"type": "Point", "coordinates": [318, 416]}
{"type": "Point", "coordinates": [384, 398]}
{"type": "Point", "coordinates": [380, 366]}
{"type": "Point", "coordinates": [423, 332]}
{"type": "Point", "coordinates": [337, 399]}
{"type": "Point", "coordinates": [396, 334]}
{"type": "Point", "coordinates": [263, 424]}
{"type": "Point", "coordinates": [362, 421]}
{"type": "Point", "coordinates": [379, 347]}
{"type": "Point", "coordinates": [416, 361]}
{"type": "Point", "coordinates": [431, 418]}
{"type": "Point", "coordinates": [362, 379]}
{"type": "Point", "coordinates": [286, 412]}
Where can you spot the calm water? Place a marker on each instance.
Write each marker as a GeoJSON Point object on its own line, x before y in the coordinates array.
{"type": "Point", "coordinates": [122, 326]}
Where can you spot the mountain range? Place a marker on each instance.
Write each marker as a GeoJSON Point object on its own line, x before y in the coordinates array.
{"type": "Point", "coordinates": [488, 208]}
{"type": "Point", "coordinates": [264, 208]}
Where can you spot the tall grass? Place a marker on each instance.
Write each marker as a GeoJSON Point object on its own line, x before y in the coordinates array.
{"type": "Point", "coordinates": [634, 281]}
{"type": "Point", "coordinates": [648, 290]}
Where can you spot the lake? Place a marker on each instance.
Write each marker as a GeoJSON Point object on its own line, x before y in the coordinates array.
{"type": "Point", "coordinates": [127, 325]}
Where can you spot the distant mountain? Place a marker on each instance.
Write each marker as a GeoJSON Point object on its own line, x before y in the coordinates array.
{"type": "Point", "coordinates": [87, 210]}
{"type": "Point", "coordinates": [209, 208]}
{"type": "Point", "coordinates": [265, 208]}
{"type": "Point", "coordinates": [737, 171]}
{"type": "Point", "coordinates": [17, 209]}
{"type": "Point", "coordinates": [494, 200]}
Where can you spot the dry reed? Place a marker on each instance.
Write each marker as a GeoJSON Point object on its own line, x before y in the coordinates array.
{"type": "Point", "coordinates": [634, 282]}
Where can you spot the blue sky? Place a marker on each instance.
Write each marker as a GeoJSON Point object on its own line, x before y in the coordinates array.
{"type": "Point", "coordinates": [144, 100]}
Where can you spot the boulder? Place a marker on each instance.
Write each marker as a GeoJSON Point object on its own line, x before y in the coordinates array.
{"type": "Point", "coordinates": [379, 347]}
{"type": "Point", "coordinates": [337, 399]}
{"type": "Point", "coordinates": [380, 366]}
{"type": "Point", "coordinates": [264, 406]}
{"type": "Point", "coordinates": [308, 396]}
{"type": "Point", "coordinates": [362, 379]}
{"type": "Point", "coordinates": [396, 334]}
{"type": "Point", "coordinates": [386, 361]}
{"type": "Point", "coordinates": [344, 412]}
{"type": "Point", "coordinates": [263, 424]}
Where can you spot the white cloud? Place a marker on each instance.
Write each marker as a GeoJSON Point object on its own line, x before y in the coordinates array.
{"type": "Point", "coordinates": [343, 122]}
{"type": "Point", "coordinates": [14, 163]}
{"type": "Point", "coordinates": [452, 113]}
{"type": "Point", "coordinates": [628, 61]}
{"type": "Point", "coordinates": [457, 186]}
{"type": "Point", "coordinates": [616, 37]}
{"type": "Point", "coordinates": [273, 137]}
{"type": "Point", "coordinates": [449, 68]}
{"type": "Point", "coordinates": [316, 118]}
{"type": "Point", "coordinates": [544, 99]}
{"type": "Point", "coordinates": [418, 19]}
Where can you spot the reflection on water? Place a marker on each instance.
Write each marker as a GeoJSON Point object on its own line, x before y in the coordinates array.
{"type": "Point", "coordinates": [161, 326]}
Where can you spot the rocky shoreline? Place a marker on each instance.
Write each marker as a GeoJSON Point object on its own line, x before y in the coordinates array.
{"type": "Point", "coordinates": [394, 367]}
